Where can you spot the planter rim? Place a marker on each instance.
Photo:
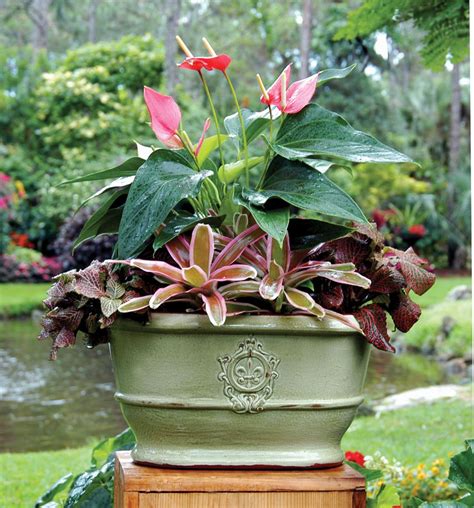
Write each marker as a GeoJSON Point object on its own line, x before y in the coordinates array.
{"type": "Point", "coordinates": [263, 324]}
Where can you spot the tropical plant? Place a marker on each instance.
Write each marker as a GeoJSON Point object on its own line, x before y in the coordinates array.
{"type": "Point", "coordinates": [270, 233]}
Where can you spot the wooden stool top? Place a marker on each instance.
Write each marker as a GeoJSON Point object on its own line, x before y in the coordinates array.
{"type": "Point", "coordinates": [137, 478]}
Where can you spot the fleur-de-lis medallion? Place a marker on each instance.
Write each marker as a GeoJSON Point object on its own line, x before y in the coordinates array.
{"type": "Point", "coordinates": [248, 375]}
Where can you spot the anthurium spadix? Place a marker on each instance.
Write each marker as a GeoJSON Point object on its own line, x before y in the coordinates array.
{"type": "Point", "coordinates": [288, 98]}
{"type": "Point", "coordinates": [198, 271]}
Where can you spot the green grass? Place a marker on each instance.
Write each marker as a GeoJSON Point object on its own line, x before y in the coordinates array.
{"type": "Point", "coordinates": [441, 288]}
{"type": "Point", "coordinates": [413, 435]}
{"type": "Point", "coordinates": [22, 298]}
{"type": "Point", "coordinates": [425, 332]}
{"type": "Point", "coordinates": [25, 476]}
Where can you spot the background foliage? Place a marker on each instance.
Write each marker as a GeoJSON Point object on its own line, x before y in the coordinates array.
{"type": "Point", "coordinates": [71, 101]}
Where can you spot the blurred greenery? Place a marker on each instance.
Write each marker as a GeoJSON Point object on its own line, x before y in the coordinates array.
{"type": "Point", "coordinates": [71, 101]}
{"type": "Point", "coordinates": [25, 476]}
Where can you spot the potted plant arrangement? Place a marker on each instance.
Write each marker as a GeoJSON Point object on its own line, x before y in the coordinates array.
{"type": "Point", "coordinates": [246, 287]}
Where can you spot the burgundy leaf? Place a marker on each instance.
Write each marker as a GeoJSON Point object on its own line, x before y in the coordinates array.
{"type": "Point", "coordinates": [373, 321]}
{"type": "Point", "coordinates": [64, 338]}
{"type": "Point", "coordinates": [410, 265]}
{"type": "Point", "coordinates": [404, 311]}
{"type": "Point", "coordinates": [349, 250]}
{"type": "Point", "coordinates": [332, 297]}
{"type": "Point", "coordinates": [69, 317]}
{"type": "Point", "coordinates": [386, 280]}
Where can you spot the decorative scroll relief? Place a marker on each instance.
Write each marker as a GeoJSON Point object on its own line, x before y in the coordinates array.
{"type": "Point", "coordinates": [248, 375]}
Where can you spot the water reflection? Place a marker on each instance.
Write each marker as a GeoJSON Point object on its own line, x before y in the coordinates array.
{"type": "Point", "coordinates": [51, 405]}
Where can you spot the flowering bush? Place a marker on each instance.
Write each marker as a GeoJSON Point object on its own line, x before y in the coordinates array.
{"type": "Point", "coordinates": [268, 233]}
{"type": "Point", "coordinates": [391, 484]}
{"type": "Point", "coordinates": [14, 270]}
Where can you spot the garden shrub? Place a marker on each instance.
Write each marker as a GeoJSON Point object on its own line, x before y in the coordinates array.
{"type": "Point", "coordinates": [458, 341]}
{"type": "Point", "coordinates": [99, 248]}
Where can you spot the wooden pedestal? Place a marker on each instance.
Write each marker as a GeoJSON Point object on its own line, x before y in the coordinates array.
{"type": "Point", "coordinates": [150, 487]}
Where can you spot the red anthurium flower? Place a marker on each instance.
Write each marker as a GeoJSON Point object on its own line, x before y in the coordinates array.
{"type": "Point", "coordinates": [356, 457]}
{"type": "Point", "coordinates": [290, 99]}
{"type": "Point", "coordinates": [210, 63]}
{"type": "Point", "coordinates": [165, 117]}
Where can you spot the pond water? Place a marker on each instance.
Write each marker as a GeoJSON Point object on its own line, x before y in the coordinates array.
{"type": "Point", "coordinates": [51, 405]}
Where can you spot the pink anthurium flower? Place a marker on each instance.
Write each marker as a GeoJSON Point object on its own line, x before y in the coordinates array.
{"type": "Point", "coordinates": [210, 63]}
{"type": "Point", "coordinates": [199, 272]}
{"type": "Point", "coordinates": [165, 117]}
{"type": "Point", "coordinates": [293, 98]}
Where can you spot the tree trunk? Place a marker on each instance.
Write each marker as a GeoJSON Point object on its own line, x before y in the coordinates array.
{"type": "Point", "coordinates": [306, 31]}
{"type": "Point", "coordinates": [92, 20]}
{"type": "Point", "coordinates": [454, 157]}
{"type": "Point", "coordinates": [172, 20]}
{"type": "Point", "coordinates": [38, 13]}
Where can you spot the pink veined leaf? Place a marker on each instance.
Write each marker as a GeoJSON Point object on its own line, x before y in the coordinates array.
{"type": "Point", "coordinates": [272, 284]}
{"type": "Point", "coordinates": [343, 277]}
{"type": "Point", "coordinates": [299, 94]}
{"type": "Point", "coordinates": [346, 319]}
{"type": "Point", "coordinates": [178, 249]}
{"type": "Point", "coordinates": [195, 276]}
{"type": "Point", "coordinates": [215, 307]}
{"type": "Point", "coordinates": [236, 247]}
{"type": "Point", "coordinates": [142, 302]}
{"type": "Point", "coordinates": [234, 273]}
{"type": "Point", "coordinates": [250, 255]}
{"type": "Point", "coordinates": [202, 247]}
{"type": "Point", "coordinates": [207, 124]}
{"type": "Point", "coordinates": [280, 255]}
{"type": "Point", "coordinates": [236, 308]}
{"type": "Point", "coordinates": [164, 113]}
{"type": "Point", "coordinates": [158, 268]}
{"type": "Point", "coordinates": [301, 300]}
{"type": "Point", "coordinates": [164, 294]}
{"type": "Point", "coordinates": [274, 92]}
{"type": "Point", "coordinates": [240, 289]}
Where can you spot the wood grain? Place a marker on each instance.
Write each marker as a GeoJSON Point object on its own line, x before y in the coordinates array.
{"type": "Point", "coordinates": [247, 500]}
{"type": "Point", "coordinates": [138, 486]}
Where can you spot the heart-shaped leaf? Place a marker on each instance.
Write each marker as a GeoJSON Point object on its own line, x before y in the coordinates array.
{"type": "Point", "coordinates": [300, 186]}
{"type": "Point", "coordinates": [317, 131]}
{"type": "Point", "coordinates": [160, 184]}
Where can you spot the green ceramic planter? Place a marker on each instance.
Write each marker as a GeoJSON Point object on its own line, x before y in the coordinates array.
{"type": "Point", "coordinates": [261, 391]}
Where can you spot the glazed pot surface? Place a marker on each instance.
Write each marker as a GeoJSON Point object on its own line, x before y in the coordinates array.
{"type": "Point", "coordinates": [260, 391]}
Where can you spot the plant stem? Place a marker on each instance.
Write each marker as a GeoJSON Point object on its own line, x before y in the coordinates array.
{"type": "Point", "coordinates": [214, 116]}
{"type": "Point", "coordinates": [242, 127]}
{"type": "Point", "coordinates": [267, 153]}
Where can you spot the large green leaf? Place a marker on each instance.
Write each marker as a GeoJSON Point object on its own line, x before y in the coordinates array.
{"type": "Point", "coordinates": [160, 184]}
{"type": "Point", "coordinates": [180, 224]}
{"type": "Point", "coordinates": [55, 489]}
{"type": "Point", "coordinates": [274, 221]}
{"type": "Point", "coordinates": [301, 186]}
{"type": "Point", "coordinates": [461, 470]}
{"type": "Point", "coordinates": [255, 123]}
{"type": "Point", "coordinates": [329, 74]}
{"type": "Point", "coordinates": [317, 131]}
{"type": "Point", "coordinates": [307, 233]}
{"type": "Point", "coordinates": [104, 220]}
{"type": "Point", "coordinates": [104, 450]}
{"type": "Point", "coordinates": [127, 168]}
